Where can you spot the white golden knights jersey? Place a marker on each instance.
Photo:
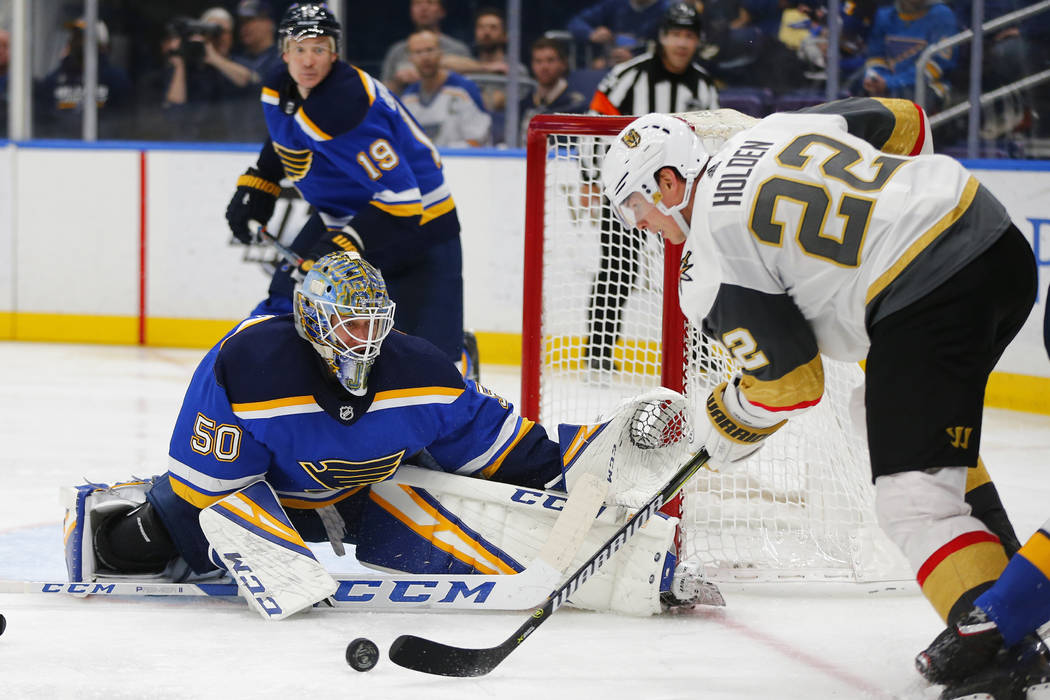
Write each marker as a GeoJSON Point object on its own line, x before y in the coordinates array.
{"type": "Point", "coordinates": [818, 235]}
{"type": "Point", "coordinates": [262, 405]}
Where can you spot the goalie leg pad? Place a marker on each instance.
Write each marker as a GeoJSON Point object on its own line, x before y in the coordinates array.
{"type": "Point", "coordinates": [421, 521]}
{"type": "Point", "coordinates": [253, 538]}
{"type": "Point", "coordinates": [88, 506]}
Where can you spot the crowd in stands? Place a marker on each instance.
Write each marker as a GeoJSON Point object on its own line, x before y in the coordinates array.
{"type": "Point", "coordinates": [196, 76]}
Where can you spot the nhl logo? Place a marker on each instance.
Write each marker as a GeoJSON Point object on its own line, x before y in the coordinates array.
{"type": "Point", "coordinates": [346, 413]}
{"type": "Point", "coordinates": [631, 139]}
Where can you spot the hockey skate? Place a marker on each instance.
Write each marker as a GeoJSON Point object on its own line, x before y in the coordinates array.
{"type": "Point", "coordinates": [1021, 672]}
{"type": "Point", "coordinates": [689, 588]}
{"type": "Point", "coordinates": [968, 645]}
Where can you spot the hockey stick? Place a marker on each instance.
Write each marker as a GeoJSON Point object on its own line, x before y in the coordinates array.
{"type": "Point", "coordinates": [427, 656]}
{"type": "Point", "coordinates": [403, 592]}
{"type": "Point", "coordinates": [259, 231]}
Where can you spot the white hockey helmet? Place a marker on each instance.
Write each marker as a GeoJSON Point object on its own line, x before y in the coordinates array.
{"type": "Point", "coordinates": [645, 146]}
{"type": "Point", "coordinates": [342, 308]}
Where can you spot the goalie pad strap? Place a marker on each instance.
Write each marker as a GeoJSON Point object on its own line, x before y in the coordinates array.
{"type": "Point", "coordinates": [728, 426]}
{"type": "Point", "coordinates": [258, 183]}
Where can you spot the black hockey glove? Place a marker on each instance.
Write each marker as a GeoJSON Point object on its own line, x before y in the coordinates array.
{"type": "Point", "coordinates": [254, 200]}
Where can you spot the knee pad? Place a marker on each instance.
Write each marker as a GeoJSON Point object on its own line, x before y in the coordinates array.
{"type": "Point", "coordinates": [134, 541]}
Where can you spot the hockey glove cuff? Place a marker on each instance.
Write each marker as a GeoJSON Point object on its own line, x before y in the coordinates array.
{"type": "Point", "coordinates": [254, 200]}
{"type": "Point", "coordinates": [730, 439]}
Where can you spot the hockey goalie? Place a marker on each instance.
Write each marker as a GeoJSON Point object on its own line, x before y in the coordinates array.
{"type": "Point", "coordinates": [326, 426]}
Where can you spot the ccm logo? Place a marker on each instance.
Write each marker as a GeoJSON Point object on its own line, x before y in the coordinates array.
{"type": "Point", "coordinates": [251, 583]}
{"type": "Point", "coordinates": [549, 501]}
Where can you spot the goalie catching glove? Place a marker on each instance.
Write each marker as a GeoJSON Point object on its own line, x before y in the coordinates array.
{"type": "Point", "coordinates": [254, 200]}
{"type": "Point", "coordinates": [732, 438]}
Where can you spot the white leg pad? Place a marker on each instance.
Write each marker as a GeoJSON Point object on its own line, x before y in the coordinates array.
{"type": "Point", "coordinates": [490, 524]}
{"type": "Point", "coordinates": [253, 538]}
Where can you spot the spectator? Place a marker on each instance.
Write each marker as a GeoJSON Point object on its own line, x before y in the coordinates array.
{"type": "Point", "coordinates": [490, 39]}
{"type": "Point", "coordinates": [1007, 54]}
{"type": "Point", "coordinates": [59, 97]}
{"type": "Point", "coordinates": [666, 79]}
{"type": "Point", "coordinates": [5, 59]}
{"type": "Point", "coordinates": [204, 79]}
{"type": "Point", "coordinates": [257, 32]}
{"type": "Point", "coordinates": [261, 56]}
{"type": "Point", "coordinates": [398, 71]}
{"type": "Point", "coordinates": [446, 105]}
{"type": "Point", "coordinates": [550, 65]}
{"type": "Point", "coordinates": [617, 27]}
{"type": "Point", "coordinates": [898, 36]}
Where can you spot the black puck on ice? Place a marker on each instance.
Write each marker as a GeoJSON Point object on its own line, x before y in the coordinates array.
{"type": "Point", "coordinates": [3, 623]}
{"type": "Point", "coordinates": [362, 654]}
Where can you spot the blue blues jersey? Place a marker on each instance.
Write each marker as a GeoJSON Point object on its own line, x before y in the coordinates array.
{"type": "Point", "coordinates": [897, 40]}
{"type": "Point", "coordinates": [350, 143]}
{"type": "Point", "coordinates": [262, 405]}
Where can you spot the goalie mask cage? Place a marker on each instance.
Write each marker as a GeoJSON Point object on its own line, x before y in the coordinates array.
{"type": "Point", "coordinates": [802, 508]}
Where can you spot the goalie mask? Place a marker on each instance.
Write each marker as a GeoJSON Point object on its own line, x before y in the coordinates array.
{"type": "Point", "coordinates": [645, 146]}
{"type": "Point", "coordinates": [342, 308]}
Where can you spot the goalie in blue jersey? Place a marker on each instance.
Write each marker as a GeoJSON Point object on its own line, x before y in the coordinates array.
{"type": "Point", "coordinates": [290, 421]}
{"type": "Point", "coordinates": [358, 157]}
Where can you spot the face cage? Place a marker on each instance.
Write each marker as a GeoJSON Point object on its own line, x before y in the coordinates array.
{"type": "Point", "coordinates": [317, 315]}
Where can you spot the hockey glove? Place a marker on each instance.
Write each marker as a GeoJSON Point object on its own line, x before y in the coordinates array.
{"type": "Point", "coordinates": [254, 200]}
{"type": "Point", "coordinates": [730, 439]}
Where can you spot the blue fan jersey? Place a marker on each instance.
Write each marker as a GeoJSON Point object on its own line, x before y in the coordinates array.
{"type": "Point", "coordinates": [262, 405]}
{"type": "Point", "coordinates": [351, 143]}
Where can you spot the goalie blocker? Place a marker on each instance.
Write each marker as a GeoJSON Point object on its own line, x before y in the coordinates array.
{"type": "Point", "coordinates": [424, 521]}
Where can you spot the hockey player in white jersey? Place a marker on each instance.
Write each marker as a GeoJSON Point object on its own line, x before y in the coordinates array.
{"type": "Point", "coordinates": [803, 239]}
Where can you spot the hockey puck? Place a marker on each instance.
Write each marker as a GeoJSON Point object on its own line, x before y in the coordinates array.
{"type": "Point", "coordinates": [3, 623]}
{"type": "Point", "coordinates": [362, 654]}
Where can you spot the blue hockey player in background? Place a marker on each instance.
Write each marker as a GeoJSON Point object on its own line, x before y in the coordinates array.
{"type": "Point", "coordinates": [374, 178]}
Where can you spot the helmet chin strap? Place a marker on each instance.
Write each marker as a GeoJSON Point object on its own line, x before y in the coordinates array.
{"type": "Point", "coordinates": [675, 212]}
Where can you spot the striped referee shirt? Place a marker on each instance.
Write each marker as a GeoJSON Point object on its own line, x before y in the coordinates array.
{"type": "Point", "coordinates": [643, 85]}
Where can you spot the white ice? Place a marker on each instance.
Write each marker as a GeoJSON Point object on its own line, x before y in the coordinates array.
{"type": "Point", "coordinates": [75, 412]}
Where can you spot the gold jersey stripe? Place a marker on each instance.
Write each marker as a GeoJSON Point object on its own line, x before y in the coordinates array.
{"type": "Point", "coordinates": [883, 281]}
{"type": "Point", "coordinates": [273, 403]}
{"type": "Point", "coordinates": [963, 571]}
{"type": "Point", "coordinates": [907, 126]}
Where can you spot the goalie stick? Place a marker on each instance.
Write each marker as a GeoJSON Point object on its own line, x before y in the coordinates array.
{"type": "Point", "coordinates": [427, 656]}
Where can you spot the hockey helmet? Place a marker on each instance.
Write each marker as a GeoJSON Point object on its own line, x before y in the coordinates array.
{"type": "Point", "coordinates": [309, 19]}
{"type": "Point", "coordinates": [638, 153]}
{"type": "Point", "coordinates": [682, 15]}
{"type": "Point", "coordinates": [342, 308]}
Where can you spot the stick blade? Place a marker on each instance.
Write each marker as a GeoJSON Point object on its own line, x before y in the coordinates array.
{"type": "Point", "coordinates": [426, 656]}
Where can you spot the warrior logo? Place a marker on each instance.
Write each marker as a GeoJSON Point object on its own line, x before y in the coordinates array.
{"type": "Point", "coordinates": [631, 139]}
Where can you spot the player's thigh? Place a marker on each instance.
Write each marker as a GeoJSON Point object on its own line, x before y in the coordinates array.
{"type": "Point", "coordinates": [429, 297]}
{"type": "Point", "coordinates": [928, 364]}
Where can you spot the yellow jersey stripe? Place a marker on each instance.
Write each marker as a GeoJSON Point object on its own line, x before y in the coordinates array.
{"type": "Point", "coordinates": [192, 496]}
{"type": "Point", "coordinates": [488, 471]}
{"type": "Point", "coordinates": [368, 85]}
{"type": "Point", "coordinates": [1037, 551]}
{"type": "Point", "coordinates": [435, 210]}
{"type": "Point", "coordinates": [273, 403]}
{"type": "Point", "coordinates": [411, 209]}
{"type": "Point", "coordinates": [247, 323]}
{"type": "Point", "coordinates": [310, 128]}
{"type": "Point", "coordinates": [883, 281]}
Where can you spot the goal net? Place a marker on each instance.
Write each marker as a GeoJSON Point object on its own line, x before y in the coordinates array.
{"type": "Point", "coordinates": [602, 323]}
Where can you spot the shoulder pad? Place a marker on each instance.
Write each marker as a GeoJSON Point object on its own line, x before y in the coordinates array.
{"type": "Point", "coordinates": [341, 101]}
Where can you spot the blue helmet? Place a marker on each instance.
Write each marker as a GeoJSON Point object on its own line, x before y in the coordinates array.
{"type": "Point", "coordinates": [342, 308]}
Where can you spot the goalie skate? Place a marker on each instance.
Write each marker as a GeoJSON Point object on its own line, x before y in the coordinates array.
{"type": "Point", "coordinates": [1019, 673]}
{"type": "Point", "coordinates": [688, 589]}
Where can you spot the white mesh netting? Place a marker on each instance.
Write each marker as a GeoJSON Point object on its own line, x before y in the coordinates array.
{"type": "Point", "coordinates": [802, 508]}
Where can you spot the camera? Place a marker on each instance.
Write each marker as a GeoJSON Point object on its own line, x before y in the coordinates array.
{"type": "Point", "coordinates": [192, 34]}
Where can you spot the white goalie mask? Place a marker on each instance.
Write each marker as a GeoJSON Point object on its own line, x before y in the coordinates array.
{"type": "Point", "coordinates": [343, 310]}
{"type": "Point", "coordinates": [645, 146]}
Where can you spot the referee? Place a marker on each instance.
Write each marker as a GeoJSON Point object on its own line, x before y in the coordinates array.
{"type": "Point", "coordinates": [665, 79]}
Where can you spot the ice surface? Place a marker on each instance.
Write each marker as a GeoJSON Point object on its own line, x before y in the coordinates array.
{"type": "Point", "coordinates": [75, 412]}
